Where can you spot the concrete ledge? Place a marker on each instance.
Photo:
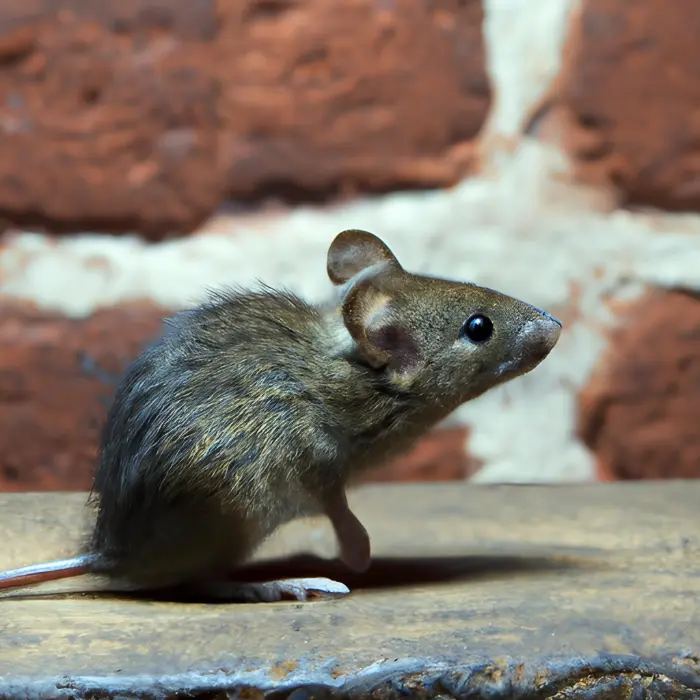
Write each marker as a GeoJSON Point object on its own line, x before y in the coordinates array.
{"type": "Point", "coordinates": [476, 591]}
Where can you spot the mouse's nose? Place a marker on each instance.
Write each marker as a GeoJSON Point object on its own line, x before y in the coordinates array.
{"type": "Point", "coordinates": [540, 335]}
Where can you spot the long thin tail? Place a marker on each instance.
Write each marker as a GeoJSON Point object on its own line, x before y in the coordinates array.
{"type": "Point", "coordinates": [49, 571]}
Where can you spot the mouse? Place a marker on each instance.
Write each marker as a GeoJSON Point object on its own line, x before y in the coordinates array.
{"type": "Point", "coordinates": [256, 407]}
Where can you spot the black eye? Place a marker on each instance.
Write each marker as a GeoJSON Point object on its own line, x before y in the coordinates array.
{"type": "Point", "coordinates": [477, 328]}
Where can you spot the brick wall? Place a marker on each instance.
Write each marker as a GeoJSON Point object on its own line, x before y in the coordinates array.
{"type": "Point", "coordinates": [548, 150]}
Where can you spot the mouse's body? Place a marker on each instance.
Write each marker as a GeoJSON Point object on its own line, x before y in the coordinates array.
{"type": "Point", "coordinates": [256, 408]}
{"type": "Point", "coordinates": [244, 415]}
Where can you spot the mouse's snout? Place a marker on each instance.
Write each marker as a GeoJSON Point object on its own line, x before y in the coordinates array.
{"type": "Point", "coordinates": [536, 334]}
{"type": "Point", "coordinates": [539, 336]}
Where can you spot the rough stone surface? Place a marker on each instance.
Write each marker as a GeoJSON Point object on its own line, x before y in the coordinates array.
{"type": "Point", "coordinates": [58, 375]}
{"type": "Point", "coordinates": [144, 115]}
{"type": "Point", "coordinates": [625, 103]}
{"type": "Point", "coordinates": [640, 411]}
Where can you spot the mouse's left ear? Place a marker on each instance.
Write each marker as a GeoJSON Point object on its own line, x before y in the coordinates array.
{"type": "Point", "coordinates": [354, 251]}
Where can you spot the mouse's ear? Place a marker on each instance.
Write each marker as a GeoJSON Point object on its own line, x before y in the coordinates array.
{"type": "Point", "coordinates": [353, 251]}
{"type": "Point", "coordinates": [381, 338]}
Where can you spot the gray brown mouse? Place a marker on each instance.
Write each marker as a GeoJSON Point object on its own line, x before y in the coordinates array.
{"type": "Point", "coordinates": [257, 408]}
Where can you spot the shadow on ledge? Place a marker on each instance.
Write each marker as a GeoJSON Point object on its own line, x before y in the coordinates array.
{"type": "Point", "coordinates": [386, 572]}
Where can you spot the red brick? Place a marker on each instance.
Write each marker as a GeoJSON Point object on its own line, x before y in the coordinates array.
{"type": "Point", "coordinates": [109, 117]}
{"type": "Point", "coordinates": [440, 456]}
{"type": "Point", "coordinates": [57, 376]}
{"type": "Point", "coordinates": [352, 95]}
{"type": "Point", "coordinates": [145, 115]}
{"type": "Point", "coordinates": [640, 411]}
{"type": "Point", "coordinates": [625, 103]}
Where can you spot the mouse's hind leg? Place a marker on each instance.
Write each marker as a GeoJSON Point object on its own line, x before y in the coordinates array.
{"type": "Point", "coordinates": [299, 589]}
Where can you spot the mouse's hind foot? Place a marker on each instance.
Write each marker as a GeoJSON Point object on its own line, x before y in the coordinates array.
{"type": "Point", "coordinates": [299, 589]}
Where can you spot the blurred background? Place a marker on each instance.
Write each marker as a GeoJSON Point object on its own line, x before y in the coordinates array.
{"type": "Point", "coordinates": [152, 149]}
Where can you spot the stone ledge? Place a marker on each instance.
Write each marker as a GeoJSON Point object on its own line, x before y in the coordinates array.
{"type": "Point", "coordinates": [488, 592]}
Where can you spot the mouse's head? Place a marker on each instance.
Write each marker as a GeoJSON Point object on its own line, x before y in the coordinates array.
{"type": "Point", "coordinates": [447, 341]}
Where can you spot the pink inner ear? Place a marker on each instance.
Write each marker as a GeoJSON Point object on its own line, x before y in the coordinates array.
{"type": "Point", "coordinates": [397, 342]}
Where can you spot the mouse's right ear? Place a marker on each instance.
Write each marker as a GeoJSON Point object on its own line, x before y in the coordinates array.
{"type": "Point", "coordinates": [354, 251]}
{"type": "Point", "coordinates": [367, 307]}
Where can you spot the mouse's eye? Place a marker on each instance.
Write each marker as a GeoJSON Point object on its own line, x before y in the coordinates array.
{"type": "Point", "coordinates": [477, 328]}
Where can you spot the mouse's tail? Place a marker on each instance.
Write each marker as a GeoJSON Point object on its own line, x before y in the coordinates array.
{"type": "Point", "coordinates": [49, 571]}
